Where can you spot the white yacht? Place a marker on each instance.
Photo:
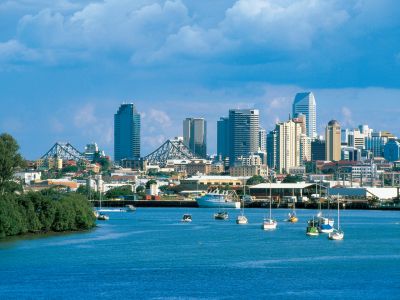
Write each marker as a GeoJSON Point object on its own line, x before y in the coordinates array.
{"type": "Point", "coordinates": [219, 199]}
{"type": "Point", "coordinates": [337, 234]}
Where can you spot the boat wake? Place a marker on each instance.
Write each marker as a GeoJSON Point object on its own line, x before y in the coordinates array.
{"type": "Point", "coordinates": [262, 264]}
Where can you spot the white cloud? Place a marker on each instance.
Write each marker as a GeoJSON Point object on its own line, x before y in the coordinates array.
{"type": "Point", "coordinates": [85, 116]}
{"type": "Point", "coordinates": [14, 51]}
{"type": "Point", "coordinates": [136, 27]}
{"type": "Point", "coordinates": [282, 24]}
{"type": "Point", "coordinates": [89, 121]}
{"type": "Point", "coordinates": [347, 116]}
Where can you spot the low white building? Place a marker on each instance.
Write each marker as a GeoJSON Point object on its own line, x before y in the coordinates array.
{"type": "Point", "coordinates": [365, 192]}
{"type": "Point", "coordinates": [28, 176]}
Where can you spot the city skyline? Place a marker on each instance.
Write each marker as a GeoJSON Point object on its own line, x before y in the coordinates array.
{"type": "Point", "coordinates": [60, 78]}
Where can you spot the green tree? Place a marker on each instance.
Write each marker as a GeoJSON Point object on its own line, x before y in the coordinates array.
{"type": "Point", "coordinates": [292, 179]}
{"type": "Point", "coordinates": [140, 189]}
{"type": "Point", "coordinates": [150, 182]}
{"type": "Point", "coordinates": [70, 169]}
{"type": "Point", "coordinates": [10, 160]}
{"type": "Point", "coordinates": [84, 190]}
{"type": "Point", "coordinates": [118, 192]}
{"type": "Point", "coordinates": [256, 179]}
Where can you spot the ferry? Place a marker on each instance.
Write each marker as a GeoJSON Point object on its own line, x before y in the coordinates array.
{"type": "Point", "coordinates": [219, 199]}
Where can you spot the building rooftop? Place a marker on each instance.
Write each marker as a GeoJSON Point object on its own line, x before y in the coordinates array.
{"type": "Point", "coordinates": [299, 185]}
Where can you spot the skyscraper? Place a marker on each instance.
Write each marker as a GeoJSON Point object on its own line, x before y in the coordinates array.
{"type": "Point", "coordinates": [262, 140]}
{"type": "Point", "coordinates": [304, 103]}
{"type": "Point", "coordinates": [195, 136]}
{"type": "Point", "coordinates": [126, 132]}
{"type": "Point", "coordinates": [288, 145]}
{"type": "Point", "coordinates": [271, 149]}
{"type": "Point", "coordinates": [318, 150]}
{"type": "Point", "coordinates": [392, 150]}
{"type": "Point", "coordinates": [243, 133]}
{"type": "Point", "coordinates": [333, 141]}
{"type": "Point", "coordinates": [223, 137]}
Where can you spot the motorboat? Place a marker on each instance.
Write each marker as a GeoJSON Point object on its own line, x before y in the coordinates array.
{"type": "Point", "coordinates": [293, 218]}
{"type": "Point", "coordinates": [103, 217]}
{"type": "Point", "coordinates": [221, 199]}
{"type": "Point", "coordinates": [222, 215]}
{"type": "Point", "coordinates": [130, 208]}
{"type": "Point", "coordinates": [187, 218]}
{"type": "Point", "coordinates": [312, 228]}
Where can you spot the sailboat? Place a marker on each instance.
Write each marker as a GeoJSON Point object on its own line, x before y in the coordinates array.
{"type": "Point", "coordinates": [325, 225]}
{"type": "Point", "coordinates": [269, 224]}
{"type": "Point", "coordinates": [292, 215]}
{"type": "Point", "coordinates": [101, 216]}
{"type": "Point", "coordinates": [337, 234]}
{"type": "Point", "coordinates": [312, 228]}
{"type": "Point", "coordinates": [242, 219]}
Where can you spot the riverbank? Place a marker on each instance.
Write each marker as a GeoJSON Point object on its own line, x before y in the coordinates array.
{"type": "Point", "coordinates": [255, 204]}
{"type": "Point", "coordinates": [38, 213]}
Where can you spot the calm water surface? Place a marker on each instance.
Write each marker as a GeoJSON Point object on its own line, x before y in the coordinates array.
{"type": "Point", "coordinates": [150, 254]}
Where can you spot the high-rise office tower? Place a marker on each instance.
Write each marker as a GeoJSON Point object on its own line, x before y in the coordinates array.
{"type": "Point", "coordinates": [392, 150]}
{"type": "Point", "coordinates": [304, 103]}
{"type": "Point", "coordinates": [271, 149]}
{"type": "Point", "coordinates": [288, 145]}
{"type": "Point", "coordinates": [243, 133]}
{"type": "Point", "coordinates": [318, 150]}
{"type": "Point", "coordinates": [376, 143]}
{"type": "Point", "coordinates": [305, 148]}
{"type": "Point", "coordinates": [126, 133]}
{"type": "Point", "coordinates": [302, 120]}
{"type": "Point", "coordinates": [223, 137]}
{"type": "Point", "coordinates": [333, 141]}
{"type": "Point", "coordinates": [262, 139]}
{"type": "Point", "coordinates": [195, 136]}
{"type": "Point", "coordinates": [357, 139]}
{"type": "Point", "coordinates": [345, 136]}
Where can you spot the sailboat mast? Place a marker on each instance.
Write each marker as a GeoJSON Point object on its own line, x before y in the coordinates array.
{"type": "Point", "coordinates": [270, 197]}
{"type": "Point", "coordinates": [338, 214]}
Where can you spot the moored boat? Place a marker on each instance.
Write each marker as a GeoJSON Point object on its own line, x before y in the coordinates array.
{"type": "Point", "coordinates": [220, 199]}
{"type": "Point", "coordinates": [269, 224]}
{"type": "Point", "coordinates": [222, 215]}
{"type": "Point", "coordinates": [130, 208]}
{"type": "Point", "coordinates": [337, 234]}
{"type": "Point", "coordinates": [187, 218]}
{"type": "Point", "coordinates": [242, 220]}
{"type": "Point", "coordinates": [312, 228]}
{"type": "Point", "coordinates": [103, 217]}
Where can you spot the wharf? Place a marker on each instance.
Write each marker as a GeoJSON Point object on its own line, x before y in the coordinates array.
{"type": "Point", "coordinates": [146, 203]}
{"type": "Point", "coordinates": [255, 204]}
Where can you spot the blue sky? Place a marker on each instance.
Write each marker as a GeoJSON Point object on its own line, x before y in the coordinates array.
{"type": "Point", "coordinates": [66, 65]}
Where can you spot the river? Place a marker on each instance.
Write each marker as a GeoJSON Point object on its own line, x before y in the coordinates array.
{"type": "Point", "coordinates": [150, 254]}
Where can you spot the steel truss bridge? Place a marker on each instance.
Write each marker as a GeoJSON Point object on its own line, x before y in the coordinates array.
{"type": "Point", "coordinates": [170, 150]}
{"type": "Point", "coordinates": [64, 151]}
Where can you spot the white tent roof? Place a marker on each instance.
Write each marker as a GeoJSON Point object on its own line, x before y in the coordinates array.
{"type": "Point", "coordinates": [291, 186]}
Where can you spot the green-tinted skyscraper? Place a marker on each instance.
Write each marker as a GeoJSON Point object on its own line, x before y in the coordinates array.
{"type": "Point", "coordinates": [126, 133]}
